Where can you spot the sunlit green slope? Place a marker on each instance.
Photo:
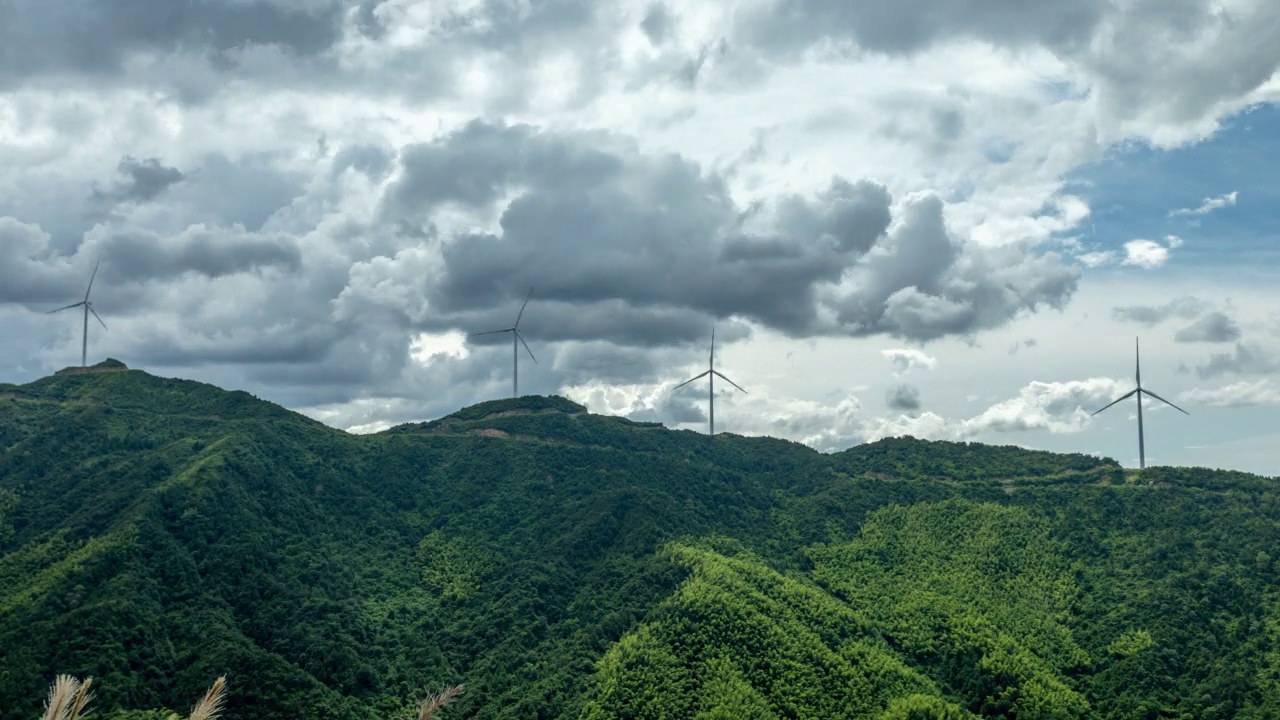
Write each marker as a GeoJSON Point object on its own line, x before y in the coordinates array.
{"type": "Point", "coordinates": [157, 533]}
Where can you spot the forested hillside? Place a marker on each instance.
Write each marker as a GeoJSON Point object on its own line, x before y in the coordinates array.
{"type": "Point", "coordinates": [159, 533]}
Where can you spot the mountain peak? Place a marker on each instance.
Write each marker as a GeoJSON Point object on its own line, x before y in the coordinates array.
{"type": "Point", "coordinates": [108, 365]}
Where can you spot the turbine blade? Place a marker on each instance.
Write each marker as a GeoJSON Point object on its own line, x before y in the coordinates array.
{"type": "Point", "coordinates": [1125, 396]}
{"type": "Point", "coordinates": [1137, 362]}
{"type": "Point", "coordinates": [491, 332]}
{"type": "Point", "coordinates": [522, 307]}
{"type": "Point", "coordinates": [68, 307]}
{"type": "Point", "coordinates": [91, 277]}
{"type": "Point", "coordinates": [1166, 402]}
{"type": "Point", "coordinates": [686, 382]}
{"type": "Point", "coordinates": [95, 314]}
{"type": "Point", "coordinates": [713, 346]}
{"type": "Point", "coordinates": [722, 377]}
{"type": "Point", "coordinates": [526, 346]}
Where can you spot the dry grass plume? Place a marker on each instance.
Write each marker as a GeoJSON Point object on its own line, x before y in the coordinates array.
{"type": "Point", "coordinates": [432, 703]}
{"type": "Point", "coordinates": [210, 707]}
{"type": "Point", "coordinates": [68, 698]}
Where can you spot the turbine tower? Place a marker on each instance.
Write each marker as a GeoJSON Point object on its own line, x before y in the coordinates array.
{"type": "Point", "coordinates": [515, 349]}
{"type": "Point", "coordinates": [1138, 392]}
{"type": "Point", "coordinates": [711, 373]}
{"type": "Point", "coordinates": [88, 308]}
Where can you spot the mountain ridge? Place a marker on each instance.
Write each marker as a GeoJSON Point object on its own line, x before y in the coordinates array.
{"type": "Point", "coordinates": [157, 533]}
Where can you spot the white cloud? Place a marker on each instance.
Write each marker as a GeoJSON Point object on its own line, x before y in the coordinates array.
{"type": "Point", "coordinates": [1096, 258]}
{"type": "Point", "coordinates": [1146, 254]}
{"type": "Point", "coordinates": [975, 118]}
{"type": "Point", "coordinates": [923, 426]}
{"type": "Point", "coordinates": [1209, 205]}
{"type": "Point", "coordinates": [907, 359]}
{"type": "Point", "coordinates": [1059, 407]}
{"type": "Point", "coordinates": [1240, 394]}
{"type": "Point", "coordinates": [429, 345]}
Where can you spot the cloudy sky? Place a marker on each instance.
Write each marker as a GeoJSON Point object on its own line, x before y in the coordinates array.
{"type": "Point", "coordinates": [945, 218]}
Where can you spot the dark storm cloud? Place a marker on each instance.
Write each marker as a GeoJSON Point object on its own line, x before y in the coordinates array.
{"type": "Point", "coordinates": [602, 362]}
{"type": "Point", "coordinates": [920, 284]}
{"type": "Point", "coordinates": [903, 398]}
{"type": "Point", "coordinates": [1216, 327]}
{"type": "Point", "coordinates": [598, 221]}
{"type": "Point", "coordinates": [1172, 61]}
{"type": "Point", "coordinates": [86, 37]}
{"type": "Point", "coordinates": [371, 160]}
{"type": "Point", "coordinates": [30, 272]}
{"type": "Point", "coordinates": [478, 163]}
{"type": "Point", "coordinates": [367, 21]}
{"type": "Point", "coordinates": [793, 25]}
{"type": "Point", "coordinates": [590, 221]}
{"type": "Point", "coordinates": [612, 320]}
{"type": "Point", "coordinates": [132, 254]}
{"type": "Point", "coordinates": [285, 343]}
{"type": "Point", "coordinates": [144, 180]}
{"type": "Point", "coordinates": [245, 190]}
{"type": "Point", "coordinates": [657, 23]}
{"type": "Point", "coordinates": [1186, 307]}
{"type": "Point", "coordinates": [1246, 359]}
{"type": "Point", "coordinates": [851, 216]}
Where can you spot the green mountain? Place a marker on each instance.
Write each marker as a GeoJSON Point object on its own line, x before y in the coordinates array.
{"type": "Point", "coordinates": [157, 533]}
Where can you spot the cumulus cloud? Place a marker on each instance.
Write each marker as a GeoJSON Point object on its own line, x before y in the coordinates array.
{"type": "Point", "coordinates": [1193, 56]}
{"type": "Point", "coordinates": [905, 359]}
{"type": "Point", "coordinates": [1245, 359]}
{"type": "Point", "coordinates": [903, 397]}
{"type": "Point", "coordinates": [921, 284]}
{"type": "Point", "coordinates": [144, 180]}
{"type": "Point", "coordinates": [923, 426]}
{"type": "Point", "coordinates": [588, 219]}
{"type": "Point", "coordinates": [1056, 407]}
{"type": "Point", "coordinates": [1216, 327]}
{"type": "Point", "coordinates": [1146, 254]}
{"type": "Point", "coordinates": [627, 249]}
{"type": "Point", "coordinates": [1241, 394]}
{"type": "Point", "coordinates": [99, 41]}
{"type": "Point", "coordinates": [1209, 205]}
{"type": "Point", "coordinates": [1186, 307]}
{"type": "Point", "coordinates": [236, 243]}
{"type": "Point", "coordinates": [30, 271]}
{"type": "Point", "coordinates": [1096, 258]}
{"type": "Point", "coordinates": [791, 25]}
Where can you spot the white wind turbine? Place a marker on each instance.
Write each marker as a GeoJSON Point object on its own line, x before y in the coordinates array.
{"type": "Point", "coordinates": [88, 308]}
{"type": "Point", "coordinates": [711, 373]}
{"type": "Point", "coordinates": [1139, 391]}
{"type": "Point", "coordinates": [515, 349]}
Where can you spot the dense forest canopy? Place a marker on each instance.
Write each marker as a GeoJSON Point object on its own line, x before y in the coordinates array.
{"type": "Point", "coordinates": [158, 533]}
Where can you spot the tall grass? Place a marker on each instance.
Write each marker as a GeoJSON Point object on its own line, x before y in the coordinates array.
{"type": "Point", "coordinates": [68, 698]}
{"type": "Point", "coordinates": [432, 703]}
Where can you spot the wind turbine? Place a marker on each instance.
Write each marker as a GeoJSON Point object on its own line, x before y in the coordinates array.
{"type": "Point", "coordinates": [515, 349]}
{"type": "Point", "coordinates": [1139, 392]}
{"type": "Point", "coordinates": [711, 373]}
{"type": "Point", "coordinates": [88, 308]}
